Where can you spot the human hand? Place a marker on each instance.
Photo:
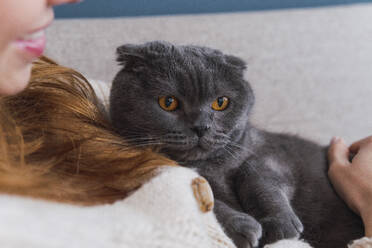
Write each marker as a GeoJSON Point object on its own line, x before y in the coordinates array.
{"type": "Point", "coordinates": [353, 180]}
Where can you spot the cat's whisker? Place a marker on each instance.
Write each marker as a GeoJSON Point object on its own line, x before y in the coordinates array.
{"type": "Point", "coordinates": [147, 144]}
{"type": "Point", "coordinates": [233, 145]}
{"type": "Point", "coordinates": [140, 139]}
{"type": "Point", "coordinates": [127, 148]}
{"type": "Point", "coordinates": [140, 130]}
{"type": "Point", "coordinates": [220, 133]}
{"type": "Point", "coordinates": [226, 148]}
{"type": "Point", "coordinates": [144, 140]}
{"type": "Point", "coordinates": [236, 145]}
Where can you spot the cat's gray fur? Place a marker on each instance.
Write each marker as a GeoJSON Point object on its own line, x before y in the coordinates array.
{"type": "Point", "coordinates": [265, 184]}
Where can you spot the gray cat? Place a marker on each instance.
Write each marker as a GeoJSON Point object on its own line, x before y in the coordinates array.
{"type": "Point", "coordinates": [194, 104]}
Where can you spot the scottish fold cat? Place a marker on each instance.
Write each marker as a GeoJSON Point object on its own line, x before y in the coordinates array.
{"type": "Point", "coordinates": [194, 104]}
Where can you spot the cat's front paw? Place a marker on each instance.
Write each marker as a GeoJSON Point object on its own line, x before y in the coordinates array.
{"type": "Point", "coordinates": [280, 227]}
{"type": "Point", "coordinates": [244, 230]}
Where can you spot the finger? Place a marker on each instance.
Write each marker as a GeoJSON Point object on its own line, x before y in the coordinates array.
{"type": "Point", "coordinates": [354, 148]}
{"type": "Point", "coordinates": [338, 152]}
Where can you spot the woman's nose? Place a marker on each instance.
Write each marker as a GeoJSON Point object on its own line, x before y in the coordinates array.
{"type": "Point", "coordinates": [58, 2]}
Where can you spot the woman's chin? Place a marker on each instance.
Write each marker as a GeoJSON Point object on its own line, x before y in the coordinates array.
{"type": "Point", "coordinates": [14, 79]}
{"type": "Point", "coordinates": [12, 86]}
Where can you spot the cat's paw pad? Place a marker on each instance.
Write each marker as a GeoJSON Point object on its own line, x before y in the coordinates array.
{"type": "Point", "coordinates": [281, 227]}
{"type": "Point", "coordinates": [244, 230]}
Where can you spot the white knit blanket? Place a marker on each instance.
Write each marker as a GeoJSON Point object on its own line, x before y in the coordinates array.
{"type": "Point", "coordinates": [161, 214]}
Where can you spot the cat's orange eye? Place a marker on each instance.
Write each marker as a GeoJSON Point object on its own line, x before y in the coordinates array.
{"type": "Point", "coordinates": [220, 103]}
{"type": "Point", "coordinates": [168, 103]}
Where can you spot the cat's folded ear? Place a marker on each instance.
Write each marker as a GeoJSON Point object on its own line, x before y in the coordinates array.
{"type": "Point", "coordinates": [236, 62]}
{"type": "Point", "coordinates": [131, 57]}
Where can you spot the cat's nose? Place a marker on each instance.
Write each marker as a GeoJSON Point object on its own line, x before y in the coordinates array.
{"type": "Point", "coordinates": [200, 130]}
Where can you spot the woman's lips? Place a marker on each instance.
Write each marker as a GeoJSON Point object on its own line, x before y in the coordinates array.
{"type": "Point", "coordinates": [34, 44]}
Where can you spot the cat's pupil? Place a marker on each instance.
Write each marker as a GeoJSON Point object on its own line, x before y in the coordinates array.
{"type": "Point", "coordinates": [169, 101]}
{"type": "Point", "coordinates": [220, 101]}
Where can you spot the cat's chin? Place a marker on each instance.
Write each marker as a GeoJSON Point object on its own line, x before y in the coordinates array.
{"type": "Point", "coordinates": [196, 153]}
{"type": "Point", "coordinates": [194, 149]}
{"type": "Point", "coordinates": [191, 155]}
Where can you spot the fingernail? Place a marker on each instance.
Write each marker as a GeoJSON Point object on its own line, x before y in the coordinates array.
{"type": "Point", "coordinates": [335, 140]}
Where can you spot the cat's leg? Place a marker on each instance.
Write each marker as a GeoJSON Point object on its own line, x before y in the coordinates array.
{"type": "Point", "coordinates": [242, 228]}
{"type": "Point", "coordinates": [265, 196]}
{"type": "Point", "coordinates": [282, 223]}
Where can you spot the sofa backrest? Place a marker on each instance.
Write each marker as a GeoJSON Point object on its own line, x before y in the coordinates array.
{"type": "Point", "coordinates": [119, 8]}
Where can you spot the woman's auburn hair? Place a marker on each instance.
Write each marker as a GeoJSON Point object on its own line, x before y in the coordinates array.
{"type": "Point", "coordinates": [56, 143]}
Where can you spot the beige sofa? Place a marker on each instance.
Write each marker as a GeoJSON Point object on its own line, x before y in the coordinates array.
{"type": "Point", "coordinates": [311, 69]}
